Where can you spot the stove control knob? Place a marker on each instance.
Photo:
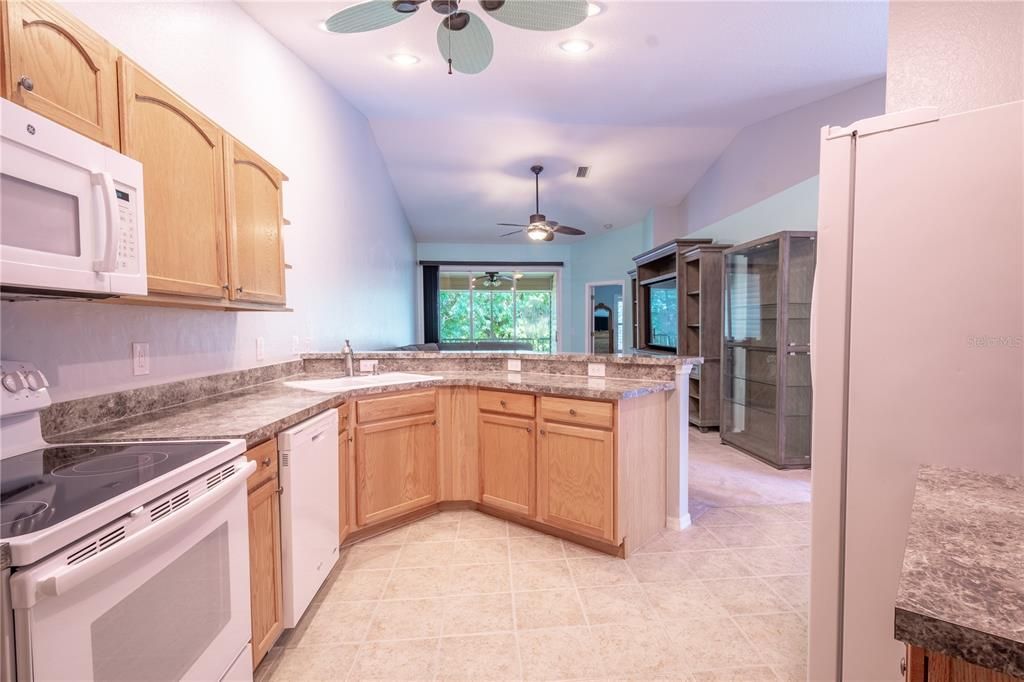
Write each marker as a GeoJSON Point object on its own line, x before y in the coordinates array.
{"type": "Point", "coordinates": [35, 380]}
{"type": "Point", "coordinates": [14, 382]}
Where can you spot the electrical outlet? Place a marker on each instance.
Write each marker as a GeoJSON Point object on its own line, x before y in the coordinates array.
{"type": "Point", "coordinates": [296, 345]}
{"type": "Point", "coordinates": [595, 369]}
{"type": "Point", "coordinates": [140, 359]}
{"type": "Point", "coordinates": [261, 348]}
{"type": "Point", "coordinates": [367, 366]}
{"type": "Point", "coordinates": [515, 365]}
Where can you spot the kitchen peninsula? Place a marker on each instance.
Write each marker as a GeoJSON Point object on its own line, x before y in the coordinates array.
{"type": "Point", "coordinates": [591, 448]}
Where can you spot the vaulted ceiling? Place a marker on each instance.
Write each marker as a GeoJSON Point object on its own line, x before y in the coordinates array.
{"type": "Point", "coordinates": [665, 88]}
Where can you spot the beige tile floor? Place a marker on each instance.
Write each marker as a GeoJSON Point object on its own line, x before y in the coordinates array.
{"type": "Point", "coordinates": [464, 596]}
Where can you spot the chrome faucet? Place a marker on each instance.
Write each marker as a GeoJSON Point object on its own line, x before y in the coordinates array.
{"type": "Point", "coordinates": [347, 352]}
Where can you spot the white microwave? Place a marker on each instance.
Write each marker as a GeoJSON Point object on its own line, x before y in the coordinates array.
{"type": "Point", "coordinates": [72, 222]}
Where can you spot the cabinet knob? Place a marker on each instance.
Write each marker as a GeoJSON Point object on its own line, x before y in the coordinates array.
{"type": "Point", "coordinates": [529, 429]}
{"type": "Point", "coordinates": [903, 666]}
{"type": "Point", "coordinates": [350, 439]}
{"type": "Point", "coordinates": [543, 432]}
{"type": "Point", "coordinates": [433, 423]}
{"type": "Point", "coordinates": [266, 461]}
{"type": "Point", "coordinates": [238, 290]}
{"type": "Point", "coordinates": [26, 83]}
{"type": "Point", "coordinates": [279, 491]}
{"type": "Point", "coordinates": [225, 287]}
{"type": "Point", "coordinates": [503, 403]}
{"type": "Point", "coordinates": [572, 412]}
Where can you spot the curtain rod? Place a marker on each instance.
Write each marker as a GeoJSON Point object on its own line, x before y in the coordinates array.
{"type": "Point", "coordinates": [497, 263]}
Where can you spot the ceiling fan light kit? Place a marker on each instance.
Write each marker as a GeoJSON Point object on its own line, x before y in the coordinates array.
{"type": "Point", "coordinates": [463, 39]}
{"type": "Point", "coordinates": [539, 228]}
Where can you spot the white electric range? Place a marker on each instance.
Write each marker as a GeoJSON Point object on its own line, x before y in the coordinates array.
{"type": "Point", "coordinates": [129, 561]}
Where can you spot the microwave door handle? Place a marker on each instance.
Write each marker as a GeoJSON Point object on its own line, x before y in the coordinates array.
{"type": "Point", "coordinates": [67, 578]}
{"type": "Point", "coordinates": [110, 241]}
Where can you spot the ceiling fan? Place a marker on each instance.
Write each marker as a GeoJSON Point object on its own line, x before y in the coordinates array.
{"type": "Point", "coordinates": [462, 37]}
{"type": "Point", "coordinates": [540, 228]}
{"type": "Point", "coordinates": [495, 279]}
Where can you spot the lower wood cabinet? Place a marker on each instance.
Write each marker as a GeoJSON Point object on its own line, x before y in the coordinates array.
{"type": "Point", "coordinates": [346, 506]}
{"type": "Point", "coordinates": [265, 566]}
{"type": "Point", "coordinates": [576, 477]}
{"type": "Point", "coordinates": [396, 467]}
{"type": "Point", "coordinates": [507, 451]}
{"type": "Point", "coordinates": [931, 666]}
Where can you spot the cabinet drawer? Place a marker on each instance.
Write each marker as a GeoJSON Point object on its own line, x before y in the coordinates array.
{"type": "Point", "coordinates": [265, 456]}
{"type": "Point", "coordinates": [506, 403]}
{"type": "Point", "coordinates": [392, 406]}
{"type": "Point", "coordinates": [573, 411]}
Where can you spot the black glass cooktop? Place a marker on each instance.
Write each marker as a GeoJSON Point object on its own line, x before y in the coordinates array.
{"type": "Point", "coordinates": [41, 488]}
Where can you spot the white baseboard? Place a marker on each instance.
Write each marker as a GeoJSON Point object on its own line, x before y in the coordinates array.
{"type": "Point", "coordinates": [673, 523]}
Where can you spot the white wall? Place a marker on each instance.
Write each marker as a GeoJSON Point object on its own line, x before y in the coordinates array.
{"type": "Point", "coordinates": [350, 243]}
{"type": "Point", "coordinates": [956, 56]}
{"type": "Point", "coordinates": [768, 161]}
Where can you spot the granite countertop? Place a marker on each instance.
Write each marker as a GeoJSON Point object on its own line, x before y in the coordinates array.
{"type": "Point", "coordinates": [259, 412]}
{"type": "Point", "coordinates": [610, 359]}
{"type": "Point", "coordinates": [961, 591]}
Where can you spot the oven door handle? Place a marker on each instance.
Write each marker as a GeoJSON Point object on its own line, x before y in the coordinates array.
{"type": "Point", "coordinates": [67, 578]}
{"type": "Point", "coordinates": [110, 242]}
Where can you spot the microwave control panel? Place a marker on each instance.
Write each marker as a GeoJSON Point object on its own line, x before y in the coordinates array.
{"type": "Point", "coordinates": [127, 242]}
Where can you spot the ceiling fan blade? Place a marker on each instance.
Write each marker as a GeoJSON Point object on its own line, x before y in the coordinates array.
{"type": "Point", "coordinates": [366, 16]}
{"type": "Point", "coordinates": [550, 236]}
{"type": "Point", "coordinates": [471, 47]}
{"type": "Point", "coordinates": [509, 234]}
{"type": "Point", "coordinates": [548, 15]}
{"type": "Point", "coordinates": [565, 229]}
{"type": "Point", "coordinates": [511, 225]}
{"type": "Point", "coordinates": [551, 223]}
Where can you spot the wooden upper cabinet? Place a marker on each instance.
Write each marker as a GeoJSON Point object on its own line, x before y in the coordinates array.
{"type": "Point", "coordinates": [57, 67]}
{"type": "Point", "coordinates": [182, 155]}
{"type": "Point", "coordinates": [576, 479]}
{"type": "Point", "coordinates": [396, 467]}
{"type": "Point", "coordinates": [255, 247]}
{"type": "Point", "coordinates": [507, 463]}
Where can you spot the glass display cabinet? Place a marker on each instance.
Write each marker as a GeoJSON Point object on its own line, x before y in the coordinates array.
{"type": "Point", "coordinates": [766, 365]}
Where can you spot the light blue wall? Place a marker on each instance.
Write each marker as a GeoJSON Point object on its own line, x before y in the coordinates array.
{"type": "Point", "coordinates": [601, 257]}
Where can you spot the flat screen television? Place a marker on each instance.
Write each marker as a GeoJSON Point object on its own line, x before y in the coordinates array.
{"type": "Point", "coordinates": [662, 315]}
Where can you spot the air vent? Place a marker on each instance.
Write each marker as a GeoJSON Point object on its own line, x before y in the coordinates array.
{"type": "Point", "coordinates": [218, 477]}
{"type": "Point", "coordinates": [101, 544]}
{"type": "Point", "coordinates": [160, 511]}
{"type": "Point", "coordinates": [582, 171]}
{"type": "Point", "coordinates": [179, 500]}
{"type": "Point", "coordinates": [284, 459]}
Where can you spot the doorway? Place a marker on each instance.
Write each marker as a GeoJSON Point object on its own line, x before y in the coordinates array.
{"type": "Point", "coordinates": [605, 318]}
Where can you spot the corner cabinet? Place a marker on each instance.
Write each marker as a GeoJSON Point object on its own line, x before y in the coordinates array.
{"type": "Point", "coordinates": [395, 455]}
{"type": "Point", "coordinates": [57, 67]}
{"type": "Point", "coordinates": [182, 156]}
{"type": "Point", "coordinates": [255, 245]}
{"type": "Point", "coordinates": [265, 576]}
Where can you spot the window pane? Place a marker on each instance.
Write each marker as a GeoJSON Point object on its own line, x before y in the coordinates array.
{"type": "Point", "coordinates": [534, 319]}
{"type": "Point", "coordinates": [454, 315]}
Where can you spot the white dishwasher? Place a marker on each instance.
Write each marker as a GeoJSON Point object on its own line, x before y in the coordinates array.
{"type": "Point", "coordinates": [309, 509]}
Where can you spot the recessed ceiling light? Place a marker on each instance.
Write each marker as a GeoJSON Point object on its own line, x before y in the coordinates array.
{"type": "Point", "coordinates": [576, 46]}
{"type": "Point", "coordinates": [593, 9]}
{"type": "Point", "coordinates": [403, 59]}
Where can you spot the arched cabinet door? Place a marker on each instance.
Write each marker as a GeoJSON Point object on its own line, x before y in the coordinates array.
{"type": "Point", "coordinates": [255, 246]}
{"type": "Point", "coordinates": [60, 69]}
{"type": "Point", "coordinates": [182, 155]}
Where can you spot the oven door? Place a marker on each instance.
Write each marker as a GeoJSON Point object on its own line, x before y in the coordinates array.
{"type": "Point", "coordinates": [168, 602]}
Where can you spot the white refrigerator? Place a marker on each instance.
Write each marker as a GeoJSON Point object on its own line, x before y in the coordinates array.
{"type": "Point", "coordinates": [918, 338]}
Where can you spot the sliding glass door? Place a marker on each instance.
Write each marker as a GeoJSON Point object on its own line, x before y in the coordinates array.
{"type": "Point", "coordinates": [499, 310]}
